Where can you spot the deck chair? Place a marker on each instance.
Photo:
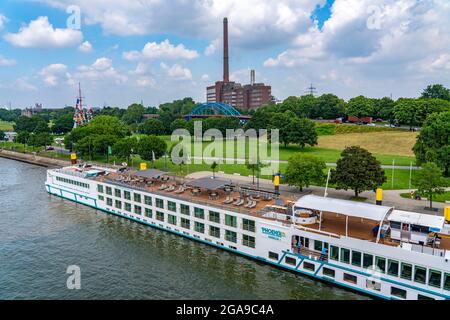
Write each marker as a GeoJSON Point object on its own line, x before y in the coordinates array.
{"type": "Point", "coordinates": [171, 188]}
{"type": "Point", "coordinates": [240, 203]}
{"type": "Point", "coordinates": [162, 187]}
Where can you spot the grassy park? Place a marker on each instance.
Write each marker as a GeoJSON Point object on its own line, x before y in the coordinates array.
{"type": "Point", "coordinates": [6, 126]}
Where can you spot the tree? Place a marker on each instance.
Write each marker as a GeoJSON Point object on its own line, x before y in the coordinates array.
{"type": "Point", "coordinates": [63, 124]}
{"type": "Point", "coordinates": [2, 135]}
{"type": "Point", "coordinates": [281, 121]}
{"type": "Point", "coordinates": [41, 139]}
{"type": "Point", "coordinates": [125, 147]}
{"type": "Point", "coordinates": [22, 137]}
{"type": "Point", "coordinates": [302, 132]}
{"type": "Point", "coordinates": [359, 170]}
{"type": "Point", "coordinates": [255, 165]}
{"type": "Point", "coordinates": [384, 109]}
{"type": "Point", "coordinates": [406, 111]}
{"type": "Point", "coordinates": [433, 141]}
{"type": "Point", "coordinates": [134, 114]}
{"type": "Point", "coordinates": [436, 91]}
{"type": "Point", "coordinates": [360, 107]}
{"type": "Point", "coordinates": [328, 106]}
{"type": "Point", "coordinates": [429, 181]}
{"type": "Point", "coordinates": [152, 127]}
{"type": "Point", "coordinates": [149, 145]}
{"type": "Point", "coordinates": [303, 170]}
{"type": "Point", "coordinates": [178, 124]}
{"type": "Point", "coordinates": [35, 124]}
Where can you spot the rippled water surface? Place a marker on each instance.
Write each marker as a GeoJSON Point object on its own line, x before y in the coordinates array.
{"type": "Point", "coordinates": [41, 235]}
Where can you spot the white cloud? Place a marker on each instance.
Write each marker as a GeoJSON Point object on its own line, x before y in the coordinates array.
{"type": "Point", "coordinates": [3, 21]}
{"type": "Point", "coordinates": [4, 62]}
{"type": "Point", "coordinates": [85, 47]}
{"type": "Point", "coordinates": [165, 49]}
{"type": "Point", "coordinates": [252, 23]}
{"type": "Point", "coordinates": [205, 77]}
{"type": "Point", "coordinates": [177, 72]}
{"type": "Point", "coordinates": [212, 47]}
{"type": "Point", "coordinates": [101, 71]}
{"type": "Point", "coordinates": [40, 33]}
{"type": "Point", "coordinates": [52, 74]}
{"type": "Point", "coordinates": [23, 84]}
{"type": "Point", "coordinates": [145, 82]}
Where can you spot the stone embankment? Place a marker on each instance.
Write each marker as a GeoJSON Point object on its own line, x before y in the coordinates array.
{"type": "Point", "coordinates": [33, 159]}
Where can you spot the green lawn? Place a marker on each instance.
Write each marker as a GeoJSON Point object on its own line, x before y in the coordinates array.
{"type": "Point", "coordinates": [6, 126]}
{"type": "Point", "coordinates": [436, 197]}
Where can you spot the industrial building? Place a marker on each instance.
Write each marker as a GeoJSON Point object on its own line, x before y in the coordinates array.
{"type": "Point", "coordinates": [245, 97]}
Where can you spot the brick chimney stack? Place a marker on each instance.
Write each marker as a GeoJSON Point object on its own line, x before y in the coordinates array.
{"type": "Point", "coordinates": [226, 72]}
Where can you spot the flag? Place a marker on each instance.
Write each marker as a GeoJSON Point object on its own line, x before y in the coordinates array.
{"type": "Point", "coordinates": [153, 156]}
{"type": "Point", "coordinates": [109, 150]}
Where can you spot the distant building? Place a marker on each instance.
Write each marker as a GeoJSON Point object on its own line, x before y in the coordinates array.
{"type": "Point", "coordinates": [244, 97]}
{"type": "Point", "coordinates": [29, 112]}
{"type": "Point", "coordinates": [150, 116]}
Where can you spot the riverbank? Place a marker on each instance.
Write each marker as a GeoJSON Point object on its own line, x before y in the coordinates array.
{"type": "Point", "coordinates": [33, 159]}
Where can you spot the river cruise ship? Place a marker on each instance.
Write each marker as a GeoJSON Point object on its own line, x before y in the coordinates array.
{"type": "Point", "coordinates": [373, 249]}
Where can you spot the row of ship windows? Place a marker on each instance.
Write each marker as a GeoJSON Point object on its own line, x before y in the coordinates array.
{"type": "Point", "coordinates": [331, 273]}
{"type": "Point", "coordinates": [230, 220]}
{"type": "Point", "coordinates": [73, 182]}
{"type": "Point", "coordinates": [199, 227]}
{"type": "Point", "coordinates": [391, 267]}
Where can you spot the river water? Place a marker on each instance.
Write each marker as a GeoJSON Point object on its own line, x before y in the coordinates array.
{"type": "Point", "coordinates": [41, 235]}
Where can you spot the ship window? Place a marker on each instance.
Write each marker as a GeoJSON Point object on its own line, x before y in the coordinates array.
{"type": "Point", "coordinates": [291, 261]}
{"type": "Point", "coordinates": [117, 193]}
{"type": "Point", "coordinates": [137, 197]}
{"type": "Point", "coordinates": [318, 245]}
{"type": "Point", "coordinates": [148, 212]}
{"type": "Point", "coordinates": [367, 260]}
{"type": "Point", "coordinates": [185, 223]}
{"type": "Point", "coordinates": [334, 253]}
{"type": "Point", "coordinates": [214, 216]}
{"type": "Point", "coordinates": [356, 258]}
{"type": "Point", "coordinates": [230, 221]}
{"type": "Point", "coordinates": [199, 227]}
{"type": "Point", "coordinates": [172, 206]}
{"type": "Point", "coordinates": [434, 278]}
{"type": "Point", "coordinates": [100, 188]}
{"type": "Point", "coordinates": [381, 264]}
{"type": "Point", "coordinates": [159, 203]}
{"type": "Point", "coordinates": [101, 198]}
{"type": "Point", "coordinates": [420, 274]}
{"type": "Point", "coordinates": [230, 236]}
{"type": "Point", "coordinates": [148, 200]}
{"type": "Point", "coordinates": [127, 206]}
{"type": "Point", "coordinates": [199, 213]}
{"type": "Point", "coordinates": [395, 225]}
{"type": "Point", "coordinates": [399, 293]}
{"type": "Point", "coordinates": [406, 271]}
{"type": "Point", "coordinates": [329, 272]}
{"type": "Point", "coordinates": [273, 255]}
{"type": "Point", "coordinates": [309, 266]}
{"type": "Point", "coordinates": [109, 201]}
{"type": "Point", "coordinates": [127, 195]}
{"type": "Point", "coordinates": [185, 209]}
{"type": "Point", "coordinates": [249, 241]}
{"type": "Point", "coordinates": [447, 282]}
{"type": "Point", "coordinates": [374, 285]}
{"type": "Point", "coordinates": [345, 255]}
{"type": "Point", "coordinates": [172, 219]}
{"type": "Point", "coordinates": [137, 210]}
{"type": "Point", "coordinates": [159, 216]}
{"type": "Point", "coordinates": [248, 225]}
{"type": "Point", "coordinates": [392, 268]}
{"type": "Point", "coordinates": [422, 297]}
{"type": "Point", "coordinates": [214, 231]}
{"type": "Point", "coordinates": [109, 191]}
{"type": "Point", "coordinates": [118, 204]}
{"type": "Point", "coordinates": [350, 278]}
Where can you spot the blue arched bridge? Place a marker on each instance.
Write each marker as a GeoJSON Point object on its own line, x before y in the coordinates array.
{"type": "Point", "coordinates": [215, 109]}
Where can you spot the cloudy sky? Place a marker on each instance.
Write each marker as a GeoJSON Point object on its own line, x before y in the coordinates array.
{"type": "Point", "coordinates": [124, 51]}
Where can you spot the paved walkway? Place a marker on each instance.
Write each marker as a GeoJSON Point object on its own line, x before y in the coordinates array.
{"type": "Point", "coordinates": [329, 164]}
{"type": "Point", "coordinates": [390, 197]}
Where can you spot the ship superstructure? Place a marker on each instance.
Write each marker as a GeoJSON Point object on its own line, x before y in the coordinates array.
{"type": "Point", "coordinates": [377, 250]}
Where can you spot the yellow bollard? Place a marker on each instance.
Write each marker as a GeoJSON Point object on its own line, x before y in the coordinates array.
{"type": "Point", "coordinates": [447, 214]}
{"type": "Point", "coordinates": [379, 196]}
{"type": "Point", "coordinates": [73, 158]}
{"type": "Point", "coordinates": [143, 166]}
